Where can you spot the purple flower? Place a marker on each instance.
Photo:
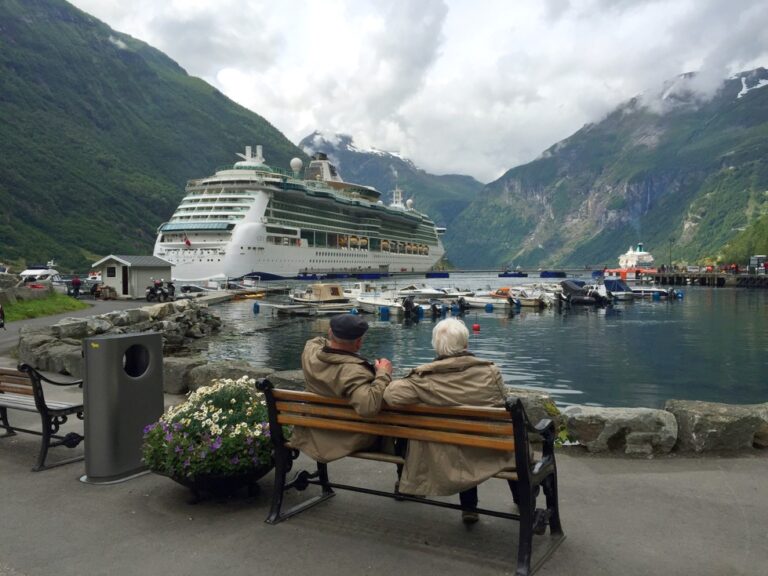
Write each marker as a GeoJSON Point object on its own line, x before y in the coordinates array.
{"type": "Point", "coordinates": [235, 460]}
{"type": "Point", "coordinates": [186, 463]}
{"type": "Point", "coordinates": [149, 427]}
{"type": "Point", "coordinates": [249, 440]}
{"type": "Point", "coordinates": [168, 436]}
{"type": "Point", "coordinates": [177, 426]}
{"type": "Point", "coordinates": [178, 449]}
{"type": "Point", "coordinates": [216, 444]}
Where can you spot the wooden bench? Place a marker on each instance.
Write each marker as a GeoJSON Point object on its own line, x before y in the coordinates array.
{"type": "Point", "coordinates": [22, 389]}
{"type": "Point", "coordinates": [505, 429]}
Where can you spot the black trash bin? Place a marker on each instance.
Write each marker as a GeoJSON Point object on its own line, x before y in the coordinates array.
{"type": "Point", "coordinates": [122, 393]}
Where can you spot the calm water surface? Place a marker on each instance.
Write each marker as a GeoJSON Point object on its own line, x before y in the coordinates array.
{"type": "Point", "coordinates": [711, 345]}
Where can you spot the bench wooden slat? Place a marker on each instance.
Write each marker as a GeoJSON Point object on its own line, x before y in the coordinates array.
{"type": "Point", "coordinates": [348, 413]}
{"type": "Point", "coordinates": [502, 444]}
{"type": "Point", "coordinates": [482, 412]}
{"type": "Point", "coordinates": [16, 388]}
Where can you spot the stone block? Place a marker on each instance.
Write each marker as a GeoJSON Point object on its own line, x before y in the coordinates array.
{"type": "Point", "coordinates": [176, 373]}
{"type": "Point", "coordinates": [538, 405]}
{"type": "Point", "coordinates": [290, 379]}
{"type": "Point", "coordinates": [709, 426]}
{"type": "Point", "coordinates": [70, 328]}
{"type": "Point", "coordinates": [633, 431]}
{"type": "Point", "coordinates": [203, 375]}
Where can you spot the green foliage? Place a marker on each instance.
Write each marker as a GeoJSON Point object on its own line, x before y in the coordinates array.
{"type": "Point", "coordinates": [220, 430]}
{"type": "Point", "coordinates": [99, 134]}
{"type": "Point", "coordinates": [55, 304]}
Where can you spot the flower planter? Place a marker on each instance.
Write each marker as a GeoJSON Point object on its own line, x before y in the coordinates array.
{"type": "Point", "coordinates": [216, 443]}
{"type": "Point", "coordinates": [223, 485]}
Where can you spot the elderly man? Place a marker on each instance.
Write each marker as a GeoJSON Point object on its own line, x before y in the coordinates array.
{"type": "Point", "coordinates": [455, 377]}
{"type": "Point", "coordinates": [333, 367]}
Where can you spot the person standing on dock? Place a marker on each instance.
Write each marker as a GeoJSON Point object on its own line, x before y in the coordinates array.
{"type": "Point", "coordinates": [456, 377]}
{"type": "Point", "coordinates": [334, 367]}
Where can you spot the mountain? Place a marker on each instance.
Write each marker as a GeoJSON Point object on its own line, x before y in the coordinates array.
{"type": "Point", "coordinates": [443, 198]}
{"type": "Point", "coordinates": [99, 134]}
{"type": "Point", "coordinates": [685, 173]}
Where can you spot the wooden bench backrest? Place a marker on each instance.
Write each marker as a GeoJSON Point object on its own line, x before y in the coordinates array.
{"type": "Point", "coordinates": [15, 382]}
{"type": "Point", "coordinates": [462, 425]}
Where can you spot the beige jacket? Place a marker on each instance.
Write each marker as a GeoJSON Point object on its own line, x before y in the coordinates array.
{"type": "Point", "coordinates": [442, 469]}
{"type": "Point", "coordinates": [342, 375]}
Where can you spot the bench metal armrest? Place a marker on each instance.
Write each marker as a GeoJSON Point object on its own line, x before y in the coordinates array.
{"type": "Point", "coordinates": [36, 375]}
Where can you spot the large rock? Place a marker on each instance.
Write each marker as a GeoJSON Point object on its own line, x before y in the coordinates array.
{"type": "Point", "coordinates": [71, 328]}
{"type": "Point", "coordinates": [30, 346]}
{"type": "Point", "coordinates": [203, 375]}
{"type": "Point", "coordinates": [291, 379]}
{"type": "Point", "coordinates": [538, 405]}
{"type": "Point", "coordinates": [632, 431]}
{"type": "Point", "coordinates": [59, 357]}
{"type": "Point", "coordinates": [176, 374]}
{"type": "Point", "coordinates": [761, 435]}
{"type": "Point", "coordinates": [709, 426]}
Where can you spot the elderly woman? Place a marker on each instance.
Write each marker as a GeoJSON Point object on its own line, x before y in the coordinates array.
{"type": "Point", "coordinates": [455, 377]}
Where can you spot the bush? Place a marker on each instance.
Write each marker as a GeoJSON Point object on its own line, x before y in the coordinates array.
{"type": "Point", "coordinates": [220, 430]}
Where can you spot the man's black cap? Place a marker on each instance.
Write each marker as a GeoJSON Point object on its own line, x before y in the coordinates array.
{"type": "Point", "coordinates": [348, 326]}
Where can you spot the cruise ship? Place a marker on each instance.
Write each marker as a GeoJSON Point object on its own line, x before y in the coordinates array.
{"type": "Point", "coordinates": [252, 220]}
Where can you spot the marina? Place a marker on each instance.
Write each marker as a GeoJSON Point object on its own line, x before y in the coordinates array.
{"type": "Point", "coordinates": [708, 345]}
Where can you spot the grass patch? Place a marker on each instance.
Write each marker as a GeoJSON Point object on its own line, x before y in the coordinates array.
{"type": "Point", "coordinates": [55, 304]}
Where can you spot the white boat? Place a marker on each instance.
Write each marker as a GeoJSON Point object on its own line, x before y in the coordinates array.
{"type": "Point", "coordinates": [618, 289]}
{"type": "Point", "coordinates": [422, 292]}
{"type": "Point", "coordinates": [320, 294]}
{"type": "Point", "coordinates": [644, 291]}
{"type": "Point", "coordinates": [373, 303]}
{"type": "Point", "coordinates": [252, 219]}
{"type": "Point", "coordinates": [36, 276]}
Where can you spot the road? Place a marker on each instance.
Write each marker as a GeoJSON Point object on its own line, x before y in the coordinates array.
{"type": "Point", "coordinates": [9, 338]}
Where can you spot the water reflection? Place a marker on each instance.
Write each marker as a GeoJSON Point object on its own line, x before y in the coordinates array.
{"type": "Point", "coordinates": [712, 345]}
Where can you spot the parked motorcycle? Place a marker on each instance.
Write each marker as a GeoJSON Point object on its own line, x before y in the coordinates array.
{"type": "Point", "coordinates": [160, 293]}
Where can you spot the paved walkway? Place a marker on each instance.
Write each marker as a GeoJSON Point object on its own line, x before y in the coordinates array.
{"type": "Point", "coordinates": [686, 516]}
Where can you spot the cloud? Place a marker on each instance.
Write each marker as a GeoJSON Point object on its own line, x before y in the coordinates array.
{"type": "Point", "coordinates": [455, 86]}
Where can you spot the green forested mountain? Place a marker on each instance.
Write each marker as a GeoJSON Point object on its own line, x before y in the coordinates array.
{"type": "Point", "coordinates": [442, 197]}
{"type": "Point", "coordinates": [99, 134]}
{"type": "Point", "coordinates": [685, 174]}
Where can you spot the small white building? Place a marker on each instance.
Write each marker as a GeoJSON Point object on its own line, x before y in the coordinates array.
{"type": "Point", "coordinates": [129, 276]}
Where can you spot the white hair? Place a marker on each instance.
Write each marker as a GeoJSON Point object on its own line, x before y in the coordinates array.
{"type": "Point", "coordinates": [449, 337]}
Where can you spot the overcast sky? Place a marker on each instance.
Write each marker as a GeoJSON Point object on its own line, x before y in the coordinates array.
{"type": "Point", "coordinates": [458, 86]}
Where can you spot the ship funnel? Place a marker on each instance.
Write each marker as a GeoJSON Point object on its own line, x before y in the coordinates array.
{"type": "Point", "coordinates": [247, 152]}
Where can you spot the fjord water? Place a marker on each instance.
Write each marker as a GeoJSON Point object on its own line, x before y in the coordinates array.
{"type": "Point", "coordinates": [711, 345]}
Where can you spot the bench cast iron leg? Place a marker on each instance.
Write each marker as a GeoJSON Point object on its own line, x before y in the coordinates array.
{"type": "Point", "coordinates": [4, 420]}
{"type": "Point", "coordinates": [550, 491]}
{"type": "Point", "coordinates": [282, 466]}
{"type": "Point", "coordinates": [525, 545]}
{"type": "Point", "coordinates": [45, 443]}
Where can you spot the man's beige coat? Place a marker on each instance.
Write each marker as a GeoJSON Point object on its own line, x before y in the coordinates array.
{"type": "Point", "coordinates": [342, 375]}
{"type": "Point", "coordinates": [442, 469]}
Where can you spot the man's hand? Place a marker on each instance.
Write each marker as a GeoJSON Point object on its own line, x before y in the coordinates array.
{"type": "Point", "coordinates": [383, 364]}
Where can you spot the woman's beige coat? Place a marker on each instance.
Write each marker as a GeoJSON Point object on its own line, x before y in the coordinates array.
{"type": "Point", "coordinates": [442, 469]}
{"type": "Point", "coordinates": [342, 375]}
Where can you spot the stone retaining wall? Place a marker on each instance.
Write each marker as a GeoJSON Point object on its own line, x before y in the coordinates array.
{"type": "Point", "coordinates": [683, 426]}
{"type": "Point", "coordinates": [58, 348]}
